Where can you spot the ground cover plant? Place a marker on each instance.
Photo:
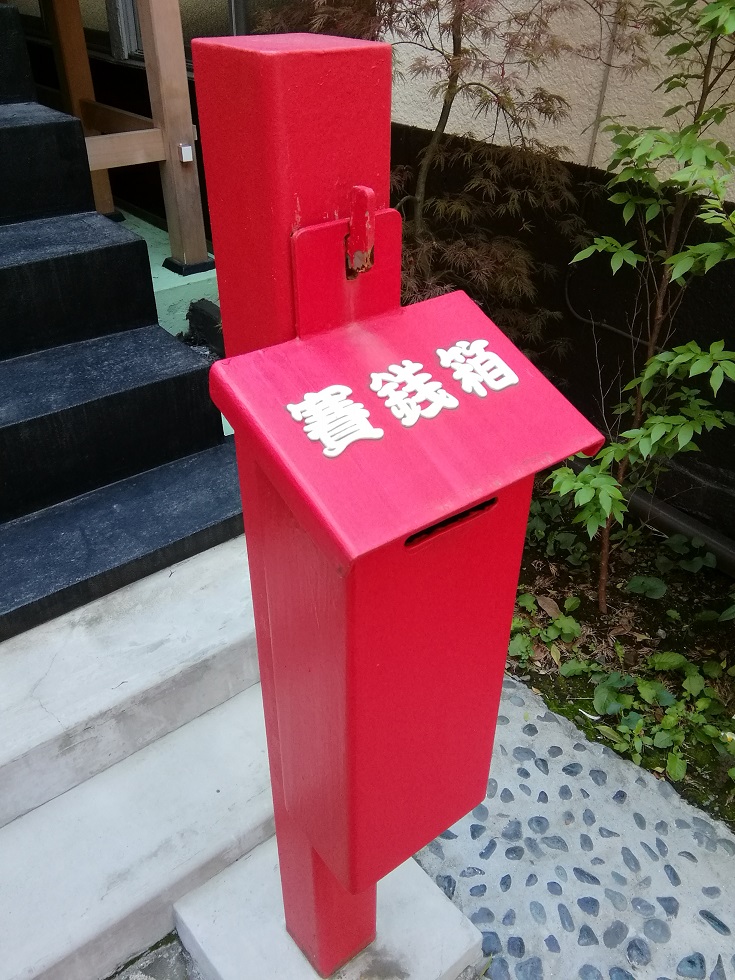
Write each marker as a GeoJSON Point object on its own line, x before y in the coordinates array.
{"type": "Point", "coordinates": [650, 670]}
{"type": "Point", "coordinates": [653, 676]}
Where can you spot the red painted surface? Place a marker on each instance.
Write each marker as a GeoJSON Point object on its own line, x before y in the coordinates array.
{"type": "Point", "coordinates": [289, 125]}
{"type": "Point", "coordinates": [384, 651]}
{"type": "Point", "coordinates": [381, 647]}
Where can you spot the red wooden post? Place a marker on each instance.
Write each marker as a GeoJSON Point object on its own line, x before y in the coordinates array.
{"type": "Point", "coordinates": [385, 511]}
{"type": "Point", "coordinates": [289, 126]}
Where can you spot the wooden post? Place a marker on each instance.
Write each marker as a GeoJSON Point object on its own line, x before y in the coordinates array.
{"type": "Point", "coordinates": [165, 64]}
{"type": "Point", "coordinates": [64, 21]}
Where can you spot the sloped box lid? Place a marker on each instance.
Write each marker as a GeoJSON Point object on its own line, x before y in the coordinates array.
{"type": "Point", "coordinates": [359, 495]}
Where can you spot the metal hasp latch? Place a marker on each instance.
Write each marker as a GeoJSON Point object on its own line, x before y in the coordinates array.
{"type": "Point", "coordinates": [360, 243]}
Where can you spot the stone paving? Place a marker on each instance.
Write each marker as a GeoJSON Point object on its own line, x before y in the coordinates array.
{"type": "Point", "coordinates": [579, 865]}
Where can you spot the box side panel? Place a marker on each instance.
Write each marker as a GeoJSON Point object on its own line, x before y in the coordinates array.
{"type": "Point", "coordinates": [429, 627]}
{"type": "Point", "coordinates": [305, 596]}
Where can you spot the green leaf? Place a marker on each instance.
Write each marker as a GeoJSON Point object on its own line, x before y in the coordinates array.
{"type": "Point", "coordinates": [583, 496]}
{"type": "Point", "coordinates": [699, 366]}
{"type": "Point", "coordinates": [616, 261]}
{"type": "Point", "coordinates": [527, 601]}
{"type": "Point", "coordinates": [609, 732]}
{"type": "Point", "coordinates": [731, 773]}
{"type": "Point", "coordinates": [716, 378]}
{"type": "Point", "coordinates": [667, 661]}
{"type": "Point", "coordinates": [678, 543]}
{"type": "Point", "coordinates": [664, 565]}
{"type": "Point", "coordinates": [681, 264]}
{"type": "Point", "coordinates": [646, 585]}
{"type": "Point", "coordinates": [571, 603]}
{"type": "Point", "coordinates": [676, 766]}
{"type": "Point", "coordinates": [694, 683]}
{"type": "Point", "coordinates": [574, 668]}
{"type": "Point", "coordinates": [584, 254]}
{"type": "Point", "coordinates": [654, 692]}
{"type": "Point", "coordinates": [684, 435]}
{"type": "Point", "coordinates": [520, 646]}
{"type": "Point", "coordinates": [728, 614]}
{"type": "Point", "coordinates": [662, 740]}
{"type": "Point", "coordinates": [692, 564]}
{"type": "Point", "coordinates": [608, 701]}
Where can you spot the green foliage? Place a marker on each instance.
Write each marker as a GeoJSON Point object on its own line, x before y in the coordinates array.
{"type": "Point", "coordinates": [662, 712]}
{"type": "Point", "coordinates": [549, 528]}
{"type": "Point", "coordinates": [647, 585]}
{"type": "Point", "coordinates": [672, 413]}
{"type": "Point", "coordinates": [691, 554]}
{"type": "Point", "coordinates": [542, 627]}
{"type": "Point", "coordinates": [671, 183]}
{"type": "Point", "coordinates": [595, 493]}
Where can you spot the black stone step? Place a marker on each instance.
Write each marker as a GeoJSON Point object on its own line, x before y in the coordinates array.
{"type": "Point", "coordinates": [45, 170]}
{"type": "Point", "coordinates": [70, 278]}
{"type": "Point", "coordinates": [16, 82]}
{"type": "Point", "coordinates": [80, 416]}
{"type": "Point", "coordinates": [61, 557]}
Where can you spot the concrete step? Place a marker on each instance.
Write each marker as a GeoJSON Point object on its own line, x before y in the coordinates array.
{"type": "Point", "coordinates": [91, 688]}
{"type": "Point", "coordinates": [44, 168]}
{"type": "Point", "coordinates": [69, 278]}
{"type": "Point", "coordinates": [233, 928]}
{"type": "Point", "coordinates": [78, 417]}
{"type": "Point", "coordinates": [90, 878]}
{"type": "Point", "coordinates": [58, 558]}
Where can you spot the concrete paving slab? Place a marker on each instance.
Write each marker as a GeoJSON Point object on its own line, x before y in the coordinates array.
{"type": "Point", "coordinates": [90, 688]}
{"type": "Point", "coordinates": [233, 928]}
{"type": "Point", "coordinates": [90, 878]}
{"type": "Point", "coordinates": [580, 865]}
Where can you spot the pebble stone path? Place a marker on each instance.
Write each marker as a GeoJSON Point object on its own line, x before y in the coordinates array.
{"type": "Point", "coordinates": [580, 865]}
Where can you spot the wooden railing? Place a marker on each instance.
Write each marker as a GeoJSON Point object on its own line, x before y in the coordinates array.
{"type": "Point", "coordinates": [116, 138]}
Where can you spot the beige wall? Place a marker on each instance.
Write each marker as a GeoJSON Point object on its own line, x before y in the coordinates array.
{"type": "Point", "coordinates": [591, 91]}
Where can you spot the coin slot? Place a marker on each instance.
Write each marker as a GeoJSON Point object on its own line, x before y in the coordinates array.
{"type": "Point", "coordinates": [465, 515]}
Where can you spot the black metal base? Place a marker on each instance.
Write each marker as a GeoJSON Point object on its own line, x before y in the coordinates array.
{"type": "Point", "coordinates": [182, 269]}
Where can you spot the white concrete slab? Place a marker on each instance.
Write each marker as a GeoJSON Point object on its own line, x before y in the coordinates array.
{"type": "Point", "coordinates": [233, 928]}
{"type": "Point", "coordinates": [88, 689]}
{"type": "Point", "coordinates": [89, 879]}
